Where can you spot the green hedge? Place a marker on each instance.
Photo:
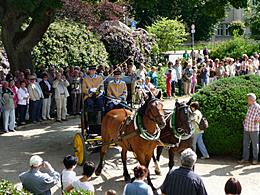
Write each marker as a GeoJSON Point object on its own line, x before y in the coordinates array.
{"type": "Point", "coordinates": [8, 188]}
{"type": "Point", "coordinates": [235, 48]}
{"type": "Point", "coordinates": [223, 103]}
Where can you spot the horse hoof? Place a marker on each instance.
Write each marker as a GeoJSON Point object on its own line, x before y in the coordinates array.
{"type": "Point", "coordinates": [154, 189]}
{"type": "Point", "coordinates": [97, 172]}
{"type": "Point", "coordinates": [157, 172]}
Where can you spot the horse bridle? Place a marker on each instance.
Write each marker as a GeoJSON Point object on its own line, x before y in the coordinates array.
{"type": "Point", "coordinates": [153, 118]}
{"type": "Point", "coordinates": [182, 131]}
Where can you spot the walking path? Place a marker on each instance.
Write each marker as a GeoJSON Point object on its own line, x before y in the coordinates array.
{"type": "Point", "coordinates": [54, 141]}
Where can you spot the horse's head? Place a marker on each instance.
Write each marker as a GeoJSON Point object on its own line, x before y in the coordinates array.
{"type": "Point", "coordinates": [154, 110]}
{"type": "Point", "coordinates": [183, 118]}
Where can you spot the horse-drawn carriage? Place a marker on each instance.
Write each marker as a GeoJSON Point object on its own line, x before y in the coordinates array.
{"type": "Point", "coordinates": [140, 131]}
{"type": "Point", "coordinates": [89, 139]}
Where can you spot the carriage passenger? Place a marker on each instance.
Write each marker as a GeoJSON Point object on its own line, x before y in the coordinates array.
{"type": "Point", "coordinates": [116, 92]}
{"type": "Point", "coordinates": [93, 91]}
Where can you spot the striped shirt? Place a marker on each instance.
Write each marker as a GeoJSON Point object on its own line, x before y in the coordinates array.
{"type": "Point", "coordinates": [183, 181]}
{"type": "Point", "coordinates": [253, 114]}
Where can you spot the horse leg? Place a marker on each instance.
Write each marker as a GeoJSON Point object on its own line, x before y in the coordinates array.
{"type": "Point", "coordinates": [157, 159]}
{"type": "Point", "coordinates": [159, 152]}
{"type": "Point", "coordinates": [171, 158]}
{"type": "Point", "coordinates": [123, 157]}
{"type": "Point", "coordinates": [103, 152]}
{"type": "Point", "coordinates": [149, 181]}
{"type": "Point", "coordinates": [157, 166]}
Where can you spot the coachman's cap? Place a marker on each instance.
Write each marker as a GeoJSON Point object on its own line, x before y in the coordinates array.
{"type": "Point", "coordinates": [117, 72]}
{"type": "Point", "coordinates": [92, 67]}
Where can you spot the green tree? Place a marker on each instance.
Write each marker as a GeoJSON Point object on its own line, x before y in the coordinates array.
{"type": "Point", "coordinates": [69, 43]}
{"type": "Point", "coordinates": [18, 38]}
{"type": "Point", "coordinates": [253, 20]}
{"type": "Point", "coordinates": [237, 27]}
{"type": "Point", "coordinates": [24, 23]}
{"type": "Point", "coordinates": [235, 48]}
{"type": "Point", "coordinates": [168, 33]}
{"type": "Point", "coordinates": [204, 14]}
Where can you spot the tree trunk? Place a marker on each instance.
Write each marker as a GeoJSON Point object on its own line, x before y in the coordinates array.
{"type": "Point", "coordinates": [19, 43]}
{"type": "Point", "coordinates": [18, 56]}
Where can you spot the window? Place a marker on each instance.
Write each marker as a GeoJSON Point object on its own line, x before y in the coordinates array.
{"type": "Point", "coordinates": [223, 30]}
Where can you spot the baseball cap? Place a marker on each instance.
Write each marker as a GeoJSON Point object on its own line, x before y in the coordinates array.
{"type": "Point", "coordinates": [36, 161]}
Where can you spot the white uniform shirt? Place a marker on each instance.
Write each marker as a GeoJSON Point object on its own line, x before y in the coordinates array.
{"type": "Point", "coordinates": [86, 186]}
{"type": "Point", "coordinates": [68, 177]}
{"type": "Point", "coordinates": [22, 94]}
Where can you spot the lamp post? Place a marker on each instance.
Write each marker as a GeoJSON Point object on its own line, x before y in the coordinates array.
{"type": "Point", "coordinates": [192, 34]}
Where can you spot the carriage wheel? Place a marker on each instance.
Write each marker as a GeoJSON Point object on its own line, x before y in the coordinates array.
{"type": "Point", "coordinates": [79, 148]}
{"type": "Point", "coordinates": [82, 120]}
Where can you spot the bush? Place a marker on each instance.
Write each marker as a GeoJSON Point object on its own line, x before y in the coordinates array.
{"type": "Point", "coordinates": [123, 43]}
{"type": "Point", "coordinates": [162, 79]}
{"type": "Point", "coordinates": [7, 188]}
{"type": "Point", "coordinates": [169, 33]}
{"type": "Point", "coordinates": [223, 103]}
{"type": "Point", "coordinates": [235, 48]}
{"type": "Point", "coordinates": [236, 27]}
{"type": "Point", "coordinates": [69, 43]}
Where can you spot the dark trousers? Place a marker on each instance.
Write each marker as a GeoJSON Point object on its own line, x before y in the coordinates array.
{"type": "Point", "coordinates": [94, 104]}
{"type": "Point", "coordinates": [76, 102]}
{"type": "Point", "coordinates": [180, 87]}
{"type": "Point", "coordinates": [22, 112]}
{"type": "Point", "coordinates": [36, 110]}
{"type": "Point", "coordinates": [173, 86]}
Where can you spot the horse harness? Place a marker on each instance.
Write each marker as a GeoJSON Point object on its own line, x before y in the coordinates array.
{"type": "Point", "coordinates": [178, 133]}
{"type": "Point", "coordinates": [137, 121]}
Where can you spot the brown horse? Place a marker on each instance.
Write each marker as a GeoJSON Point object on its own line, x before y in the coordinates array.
{"type": "Point", "coordinates": [177, 134]}
{"type": "Point", "coordinates": [116, 127]}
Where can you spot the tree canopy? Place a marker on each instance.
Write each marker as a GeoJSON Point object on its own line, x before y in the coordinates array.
{"type": "Point", "coordinates": [253, 20]}
{"type": "Point", "coordinates": [71, 44]}
{"type": "Point", "coordinates": [168, 33]}
{"type": "Point", "coordinates": [24, 23]}
{"type": "Point", "coordinates": [203, 13]}
{"type": "Point", "coordinates": [18, 38]}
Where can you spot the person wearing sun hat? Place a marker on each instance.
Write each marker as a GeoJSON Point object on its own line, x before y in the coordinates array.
{"type": "Point", "coordinates": [36, 181]}
{"type": "Point", "coordinates": [116, 92]}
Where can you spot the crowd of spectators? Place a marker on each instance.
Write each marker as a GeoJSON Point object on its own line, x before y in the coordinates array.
{"type": "Point", "coordinates": [50, 92]}
{"type": "Point", "coordinates": [197, 68]}
{"type": "Point", "coordinates": [34, 97]}
{"type": "Point", "coordinates": [54, 92]}
{"type": "Point", "coordinates": [41, 177]}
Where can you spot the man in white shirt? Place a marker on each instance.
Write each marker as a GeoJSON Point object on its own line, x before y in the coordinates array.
{"type": "Point", "coordinates": [61, 93]}
{"type": "Point", "coordinates": [179, 73]}
{"type": "Point", "coordinates": [141, 72]}
{"type": "Point", "coordinates": [83, 183]}
{"type": "Point", "coordinates": [68, 175]}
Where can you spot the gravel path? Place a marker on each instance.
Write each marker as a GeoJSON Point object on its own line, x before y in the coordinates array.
{"type": "Point", "coordinates": [54, 140]}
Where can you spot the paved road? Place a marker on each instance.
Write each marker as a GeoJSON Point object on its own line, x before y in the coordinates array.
{"type": "Point", "coordinates": [54, 141]}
